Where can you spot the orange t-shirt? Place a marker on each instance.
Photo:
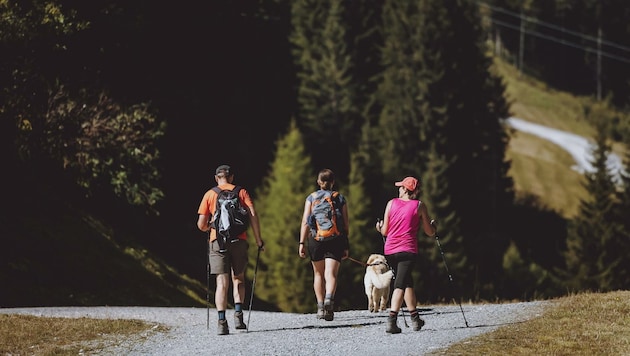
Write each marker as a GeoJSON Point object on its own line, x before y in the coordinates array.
{"type": "Point", "coordinates": [209, 204]}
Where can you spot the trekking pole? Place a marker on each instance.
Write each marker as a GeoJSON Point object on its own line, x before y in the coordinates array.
{"type": "Point", "coordinates": [251, 298]}
{"type": "Point", "coordinates": [450, 278]}
{"type": "Point", "coordinates": [208, 283]}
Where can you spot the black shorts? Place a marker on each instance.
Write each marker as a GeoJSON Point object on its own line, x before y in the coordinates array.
{"type": "Point", "coordinates": [402, 263]}
{"type": "Point", "coordinates": [319, 250]}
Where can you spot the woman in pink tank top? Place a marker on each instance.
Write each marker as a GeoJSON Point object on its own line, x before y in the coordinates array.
{"type": "Point", "coordinates": [400, 225]}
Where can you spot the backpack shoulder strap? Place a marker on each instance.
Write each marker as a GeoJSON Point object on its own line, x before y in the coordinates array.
{"type": "Point", "coordinates": [236, 189]}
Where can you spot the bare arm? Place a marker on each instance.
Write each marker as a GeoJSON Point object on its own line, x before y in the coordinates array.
{"type": "Point", "coordinates": [428, 228]}
{"type": "Point", "coordinates": [346, 221]}
{"type": "Point", "coordinates": [202, 222]}
{"type": "Point", "coordinates": [383, 225]}
{"type": "Point", "coordinates": [255, 223]}
{"type": "Point", "coordinates": [304, 229]}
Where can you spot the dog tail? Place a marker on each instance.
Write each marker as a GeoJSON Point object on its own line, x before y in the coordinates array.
{"type": "Point", "coordinates": [382, 280]}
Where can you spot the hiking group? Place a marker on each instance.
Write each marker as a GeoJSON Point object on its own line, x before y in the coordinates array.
{"type": "Point", "coordinates": [226, 212]}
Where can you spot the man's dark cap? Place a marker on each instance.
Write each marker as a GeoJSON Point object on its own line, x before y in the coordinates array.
{"type": "Point", "coordinates": [225, 169]}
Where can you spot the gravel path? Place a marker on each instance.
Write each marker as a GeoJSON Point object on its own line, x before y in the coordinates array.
{"type": "Point", "coordinates": [356, 332]}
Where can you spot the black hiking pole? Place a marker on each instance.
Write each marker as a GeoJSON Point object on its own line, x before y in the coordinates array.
{"type": "Point", "coordinates": [251, 298]}
{"type": "Point", "coordinates": [450, 278]}
{"type": "Point", "coordinates": [208, 283]}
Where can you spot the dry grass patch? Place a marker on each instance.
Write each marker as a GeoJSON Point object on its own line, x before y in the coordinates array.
{"type": "Point", "coordinates": [544, 169]}
{"type": "Point", "coordinates": [32, 335]}
{"type": "Point", "coordinates": [581, 324]}
{"type": "Point", "coordinates": [534, 101]}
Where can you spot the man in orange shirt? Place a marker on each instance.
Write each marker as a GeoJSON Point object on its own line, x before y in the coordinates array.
{"type": "Point", "coordinates": [233, 260]}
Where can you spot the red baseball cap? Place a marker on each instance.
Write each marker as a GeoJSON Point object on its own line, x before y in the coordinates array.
{"type": "Point", "coordinates": [409, 183]}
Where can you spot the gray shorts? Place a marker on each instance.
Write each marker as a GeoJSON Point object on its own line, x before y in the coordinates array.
{"type": "Point", "coordinates": [234, 259]}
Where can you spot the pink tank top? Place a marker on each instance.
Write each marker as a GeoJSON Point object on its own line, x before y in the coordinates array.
{"type": "Point", "coordinates": [404, 223]}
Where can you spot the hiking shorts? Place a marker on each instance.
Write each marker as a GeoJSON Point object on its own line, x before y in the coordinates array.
{"type": "Point", "coordinates": [234, 259]}
{"type": "Point", "coordinates": [319, 250]}
{"type": "Point", "coordinates": [402, 263]}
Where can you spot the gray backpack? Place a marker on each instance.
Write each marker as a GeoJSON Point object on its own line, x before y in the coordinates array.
{"type": "Point", "coordinates": [230, 217]}
{"type": "Point", "coordinates": [325, 218]}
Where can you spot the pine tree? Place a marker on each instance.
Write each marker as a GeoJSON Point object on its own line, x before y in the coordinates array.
{"type": "Point", "coordinates": [438, 86]}
{"type": "Point", "coordinates": [399, 92]}
{"type": "Point", "coordinates": [326, 108]}
{"type": "Point", "coordinates": [523, 279]}
{"type": "Point", "coordinates": [622, 273]}
{"type": "Point", "coordinates": [434, 283]}
{"type": "Point", "coordinates": [284, 279]}
{"type": "Point", "coordinates": [364, 239]}
{"type": "Point", "coordinates": [593, 253]}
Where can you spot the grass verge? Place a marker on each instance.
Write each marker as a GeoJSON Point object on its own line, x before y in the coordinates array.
{"type": "Point", "coordinates": [32, 335]}
{"type": "Point", "coordinates": [579, 324]}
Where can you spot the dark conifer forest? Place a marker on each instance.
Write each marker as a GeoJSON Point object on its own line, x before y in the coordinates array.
{"type": "Point", "coordinates": [120, 111]}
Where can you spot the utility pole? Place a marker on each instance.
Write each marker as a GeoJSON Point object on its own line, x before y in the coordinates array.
{"type": "Point", "coordinates": [521, 48]}
{"type": "Point", "coordinates": [599, 63]}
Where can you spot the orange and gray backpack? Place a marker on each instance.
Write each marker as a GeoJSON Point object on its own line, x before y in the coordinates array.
{"type": "Point", "coordinates": [326, 220]}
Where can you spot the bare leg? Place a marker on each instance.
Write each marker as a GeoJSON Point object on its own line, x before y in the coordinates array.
{"type": "Point", "coordinates": [220, 296]}
{"type": "Point", "coordinates": [397, 299]}
{"type": "Point", "coordinates": [410, 299]}
{"type": "Point", "coordinates": [238, 286]}
{"type": "Point", "coordinates": [330, 273]}
{"type": "Point", "coordinates": [318, 280]}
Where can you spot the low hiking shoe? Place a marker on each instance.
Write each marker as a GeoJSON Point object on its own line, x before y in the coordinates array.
{"type": "Point", "coordinates": [329, 315]}
{"type": "Point", "coordinates": [238, 320]}
{"type": "Point", "coordinates": [223, 327]}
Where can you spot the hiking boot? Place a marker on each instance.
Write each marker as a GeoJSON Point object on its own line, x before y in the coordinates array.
{"type": "Point", "coordinates": [238, 320]}
{"type": "Point", "coordinates": [416, 322]}
{"type": "Point", "coordinates": [392, 326]}
{"type": "Point", "coordinates": [329, 315]}
{"type": "Point", "coordinates": [223, 327]}
{"type": "Point", "coordinates": [320, 312]}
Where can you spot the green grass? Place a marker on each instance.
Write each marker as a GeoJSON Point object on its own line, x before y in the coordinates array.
{"type": "Point", "coordinates": [539, 167]}
{"type": "Point", "coordinates": [542, 168]}
{"type": "Point", "coordinates": [534, 101]}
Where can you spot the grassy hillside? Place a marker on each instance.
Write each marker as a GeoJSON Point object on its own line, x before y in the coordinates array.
{"type": "Point", "coordinates": [538, 166]}
{"type": "Point", "coordinates": [53, 255]}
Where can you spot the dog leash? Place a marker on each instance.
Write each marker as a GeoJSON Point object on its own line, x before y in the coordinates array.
{"type": "Point", "coordinates": [368, 264]}
{"type": "Point", "coordinates": [357, 261]}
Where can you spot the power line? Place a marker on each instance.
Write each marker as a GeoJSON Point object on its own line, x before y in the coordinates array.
{"type": "Point", "coordinates": [554, 27]}
{"type": "Point", "coordinates": [562, 41]}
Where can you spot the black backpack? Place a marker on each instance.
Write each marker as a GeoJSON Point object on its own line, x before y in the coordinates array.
{"type": "Point", "coordinates": [230, 217]}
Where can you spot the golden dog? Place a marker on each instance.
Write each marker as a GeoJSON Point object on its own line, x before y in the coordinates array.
{"type": "Point", "coordinates": [377, 281]}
